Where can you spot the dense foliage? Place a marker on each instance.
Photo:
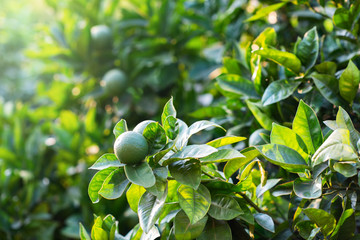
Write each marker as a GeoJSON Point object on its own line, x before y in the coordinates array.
{"type": "Point", "coordinates": [282, 78]}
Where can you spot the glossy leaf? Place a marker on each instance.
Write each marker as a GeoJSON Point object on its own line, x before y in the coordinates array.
{"type": "Point", "coordinates": [329, 87]}
{"type": "Point", "coordinates": [169, 110]}
{"type": "Point", "coordinates": [224, 207]}
{"type": "Point", "coordinates": [187, 172]}
{"type": "Point", "coordinates": [97, 182]}
{"type": "Point", "coordinates": [120, 128]}
{"type": "Point", "coordinates": [105, 161]}
{"type": "Point", "coordinates": [307, 126]}
{"type": "Point", "coordinates": [349, 82]}
{"type": "Point", "coordinates": [348, 169]}
{"type": "Point", "coordinates": [83, 233]}
{"type": "Point", "coordinates": [140, 174]}
{"type": "Point", "coordinates": [223, 155]}
{"type": "Point", "coordinates": [260, 114]}
{"type": "Point", "coordinates": [286, 59]}
{"type": "Point", "coordinates": [270, 183]}
{"type": "Point", "coordinates": [322, 219]}
{"type": "Point", "coordinates": [149, 210]}
{"type": "Point", "coordinates": [350, 227]}
{"type": "Point", "coordinates": [226, 140]}
{"type": "Point", "coordinates": [114, 185]}
{"type": "Point", "coordinates": [308, 48]}
{"type": "Point", "coordinates": [265, 221]}
{"type": "Point", "coordinates": [263, 12]}
{"type": "Point", "coordinates": [237, 85]}
{"type": "Point", "coordinates": [184, 230]}
{"type": "Point", "coordinates": [284, 157]}
{"type": "Point", "coordinates": [215, 229]}
{"type": "Point", "coordinates": [337, 146]}
{"type": "Point", "coordinates": [133, 195]}
{"type": "Point", "coordinates": [278, 90]}
{"type": "Point", "coordinates": [308, 188]}
{"type": "Point", "coordinates": [342, 18]}
{"type": "Point", "coordinates": [171, 127]}
{"type": "Point", "coordinates": [326, 68]}
{"type": "Point", "coordinates": [155, 137]}
{"type": "Point", "coordinates": [285, 136]}
{"type": "Point", "coordinates": [191, 151]}
{"type": "Point", "coordinates": [195, 203]}
{"type": "Point", "coordinates": [232, 166]}
{"type": "Point", "coordinates": [343, 120]}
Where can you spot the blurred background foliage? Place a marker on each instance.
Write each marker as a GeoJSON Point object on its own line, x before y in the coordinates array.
{"type": "Point", "coordinates": [57, 108]}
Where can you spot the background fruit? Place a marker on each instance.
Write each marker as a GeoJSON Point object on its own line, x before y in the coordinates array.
{"type": "Point", "coordinates": [114, 82]}
{"type": "Point", "coordinates": [131, 148]}
{"type": "Point", "coordinates": [101, 37]}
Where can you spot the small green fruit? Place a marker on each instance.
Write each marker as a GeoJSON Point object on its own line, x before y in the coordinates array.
{"type": "Point", "coordinates": [114, 82]}
{"type": "Point", "coordinates": [131, 148]}
{"type": "Point", "coordinates": [101, 37]}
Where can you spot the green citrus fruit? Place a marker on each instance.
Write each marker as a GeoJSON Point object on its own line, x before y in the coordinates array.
{"type": "Point", "coordinates": [141, 126]}
{"type": "Point", "coordinates": [101, 37]}
{"type": "Point", "coordinates": [131, 148]}
{"type": "Point", "coordinates": [114, 82]}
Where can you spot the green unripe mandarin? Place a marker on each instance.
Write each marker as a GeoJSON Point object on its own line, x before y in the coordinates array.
{"type": "Point", "coordinates": [101, 37]}
{"type": "Point", "coordinates": [114, 82]}
{"type": "Point", "coordinates": [141, 126]}
{"type": "Point", "coordinates": [131, 148]}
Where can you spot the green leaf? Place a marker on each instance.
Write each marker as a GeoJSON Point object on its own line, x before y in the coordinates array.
{"type": "Point", "coordinates": [191, 151]}
{"type": "Point", "coordinates": [83, 233]}
{"type": "Point", "coordinates": [308, 188]}
{"type": "Point", "coordinates": [184, 230]}
{"type": "Point", "coordinates": [208, 112]}
{"type": "Point", "coordinates": [329, 87]}
{"type": "Point", "coordinates": [171, 127]}
{"type": "Point", "coordinates": [161, 182]}
{"type": "Point", "coordinates": [114, 185]}
{"type": "Point", "coordinates": [140, 174]}
{"type": "Point", "coordinates": [264, 11]}
{"type": "Point", "coordinates": [151, 235]}
{"type": "Point", "coordinates": [105, 161]}
{"type": "Point", "coordinates": [286, 59]}
{"type": "Point", "coordinates": [341, 223]}
{"type": "Point", "coordinates": [348, 169]}
{"type": "Point", "coordinates": [133, 196]}
{"type": "Point", "coordinates": [285, 136]}
{"type": "Point", "coordinates": [169, 110]}
{"type": "Point", "coordinates": [215, 229]}
{"type": "Point", "coordinates": [155, 137]}
{"type": "Point", "coordinates": [149, 210]}
{"type": "Point", "coordinates": [97, 233]}
{"type": "Point", "coordinates": [265, 221]}
{"type": "Point", "coordinates": [278, 90]}
{"type": "Point", "coordinates": [342, 18]}
{"type": "Point", "coordinates": [97, 182]}
{"type": "Point", "coordinates": [232, 166]}
{"type": "Point", "coordinates": [307, 50]}
{"type": "Point", "coordinates": [270, 183]}
{"type": "Point", "coordinates": [201, 125]}
{"type": "Point", "coordinates": [260, 114]}
{"type": "Point", "coordinates": [308, 127]}
{"type": "Point", "coordinates": [283, 189]}
{"type": "Point", "coordinates": [237, 85]}
{"type": "Point", "coordinates": [337, 146]}
{"type": "Point", "coordinates": [284, 157]}
{"type": "Point", "coordinates": [224, 207]}
{"type": "Point", "coordinates": [349, 82]}
{"type": "Point", "coordinates": [343, 120]}
{"type": "Point", "coordinates": [187, 172]}
{"type": "Point", "coordinates": [266, 38]}
{"type": "Point", "coordinates": [195, 203]}
{"type": "Point", "coordinates": [326, 68]}
{"type": "Point", "coordinates": [322, 219]}
{"type": "Point", "coordinates": [223, 155]}
{"type": "Point", "coordinates": [226, 140]}
{"type": "Point", "coordinates": [120, 128]}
